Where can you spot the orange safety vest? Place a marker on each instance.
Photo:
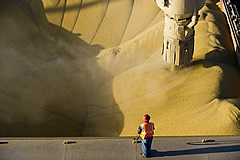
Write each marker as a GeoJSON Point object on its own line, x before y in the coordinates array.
{"type": "Point", "coordinates": [147, 130]}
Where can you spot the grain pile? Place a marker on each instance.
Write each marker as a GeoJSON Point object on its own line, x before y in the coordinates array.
{"type": "Point", "coordinates": [93, 68]}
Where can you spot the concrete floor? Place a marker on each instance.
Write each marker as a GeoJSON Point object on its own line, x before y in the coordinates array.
{"type": "Point", "coordinates": [167, 148]}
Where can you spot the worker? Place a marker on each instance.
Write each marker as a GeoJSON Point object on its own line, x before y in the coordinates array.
{"type": "Point", "coordinates": [146, 133]}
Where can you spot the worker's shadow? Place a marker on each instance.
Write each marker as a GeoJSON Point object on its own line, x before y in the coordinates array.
{"type": "Point", "coordinates": [206, 150]}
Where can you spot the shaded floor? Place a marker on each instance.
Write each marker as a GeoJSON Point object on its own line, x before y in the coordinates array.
{"type": "Point", "coordinates": [177, 148]}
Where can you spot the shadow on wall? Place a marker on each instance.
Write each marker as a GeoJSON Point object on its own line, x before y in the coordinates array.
{"type": "Point", "coordinates": [53, 84]}
{"type": "Point", "coordinates": [74, 7]}
{"type": "Point", "coordinates": [57, 10]}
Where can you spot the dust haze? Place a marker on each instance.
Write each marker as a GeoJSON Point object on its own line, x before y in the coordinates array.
{"type": "Point", "coordinates": [76, 74]}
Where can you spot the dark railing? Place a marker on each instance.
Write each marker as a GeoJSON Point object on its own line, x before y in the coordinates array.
{"type": "Point", "coordinates": [233, 20]}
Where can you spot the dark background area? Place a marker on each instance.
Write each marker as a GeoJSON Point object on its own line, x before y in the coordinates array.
{"type": "Point", "coordinates": [237, 3]}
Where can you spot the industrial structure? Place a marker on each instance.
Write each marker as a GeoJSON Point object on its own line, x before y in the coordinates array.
{"type": "Point", "coordinates": [180, 18]}
{"type": "Point", "coordinates": [75, 76]}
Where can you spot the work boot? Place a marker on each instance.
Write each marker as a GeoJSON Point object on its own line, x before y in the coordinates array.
{"type": "Point", "coordinates": [143, 155]}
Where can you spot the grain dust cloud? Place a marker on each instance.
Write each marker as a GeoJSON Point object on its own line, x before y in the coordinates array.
{"type": "Point", "coordinates": [94, 67]}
